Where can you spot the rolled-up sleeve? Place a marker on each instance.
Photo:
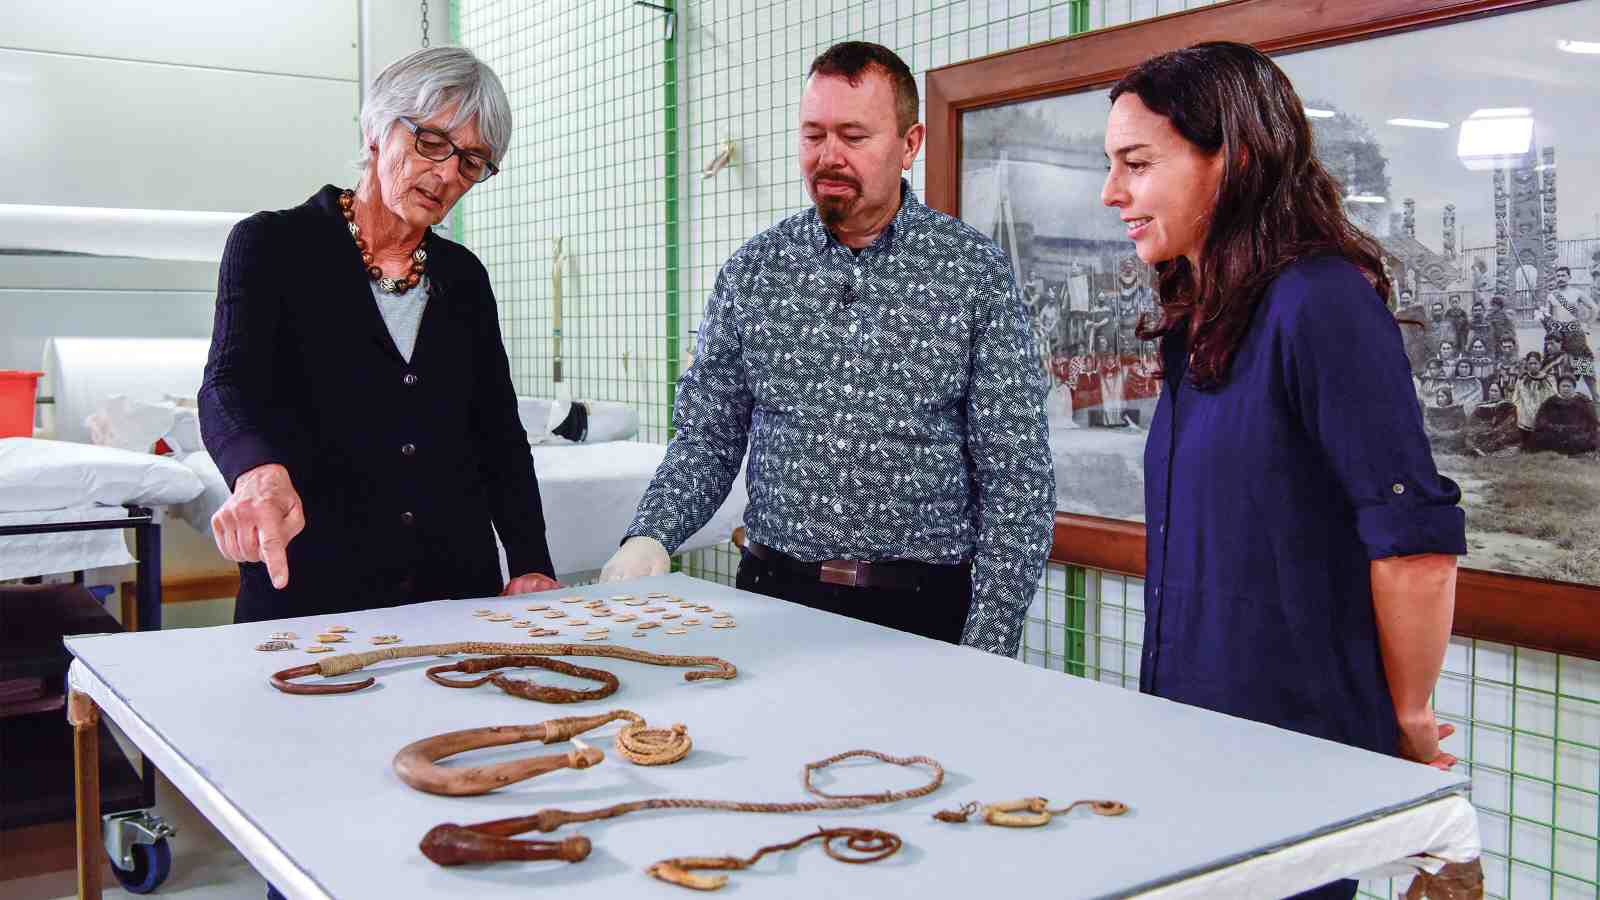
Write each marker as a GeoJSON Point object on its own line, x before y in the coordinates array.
{"type": "Point", "coordinates": [1348, 377]}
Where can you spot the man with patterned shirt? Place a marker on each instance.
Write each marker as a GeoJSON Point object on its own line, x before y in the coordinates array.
{"type": "Point", "coordinates": [875, 355]}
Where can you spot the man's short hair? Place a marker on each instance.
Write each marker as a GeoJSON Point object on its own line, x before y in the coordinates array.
{"type": "Point", "coordinates": [852, 59]}
{"type": "Point", "coordinates": [1563, 270]}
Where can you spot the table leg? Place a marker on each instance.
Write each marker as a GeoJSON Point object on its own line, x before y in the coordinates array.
{"type": "Point", "coordinates": [85, 719]}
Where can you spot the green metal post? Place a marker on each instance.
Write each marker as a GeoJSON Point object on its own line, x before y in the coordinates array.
{"type": "Point", "coordinates": [1077, 579]}
{"type": "Point", "coordinates": [1078, 17]}
{"type": "Point", "coordinates": [1076, 649]}
{"type": "Point", "coordinates": [669, 123]}
{"type": "Point", "coordinates": [669, 104]}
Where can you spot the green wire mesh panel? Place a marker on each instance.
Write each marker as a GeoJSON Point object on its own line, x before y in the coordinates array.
{"type": "Point", "coordinates": [587, 165]}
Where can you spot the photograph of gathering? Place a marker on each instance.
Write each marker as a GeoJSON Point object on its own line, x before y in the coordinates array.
{"type": "Point", "coordinates": [1495, 272]}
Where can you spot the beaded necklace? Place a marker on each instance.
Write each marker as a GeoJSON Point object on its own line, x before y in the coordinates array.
{"type": "Point", "coordinates": [419, 256]}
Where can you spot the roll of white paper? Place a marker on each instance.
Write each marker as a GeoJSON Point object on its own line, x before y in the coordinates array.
{"type": "Point", "coordinates": [81, 373]}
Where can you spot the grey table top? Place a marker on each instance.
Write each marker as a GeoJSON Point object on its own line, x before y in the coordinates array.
{"type": "Point", "coordinates": [312, 773]}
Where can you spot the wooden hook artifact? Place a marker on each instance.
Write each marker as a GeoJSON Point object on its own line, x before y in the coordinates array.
{"type": "Point", "coordinates": [417, 762]}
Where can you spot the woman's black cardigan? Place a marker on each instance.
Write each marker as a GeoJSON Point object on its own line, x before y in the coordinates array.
{"type": "Point", "coordinates": [402, 467]}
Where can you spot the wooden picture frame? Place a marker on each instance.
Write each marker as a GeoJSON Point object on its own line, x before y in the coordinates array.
{"type": "Point", "coordinates": [1528, 612]}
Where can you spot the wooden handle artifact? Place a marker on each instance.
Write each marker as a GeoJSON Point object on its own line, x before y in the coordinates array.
{"type": "Point", "coordinates": [454, 845]}
{"type": "Point", "coordinates": [417, 762]}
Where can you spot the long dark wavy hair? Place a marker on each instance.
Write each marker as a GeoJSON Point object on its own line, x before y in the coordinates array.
{"type": "Point", "coordinates": [1275, 203]}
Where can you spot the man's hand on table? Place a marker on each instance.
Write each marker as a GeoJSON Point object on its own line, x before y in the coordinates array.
{"type": "Point", "coordinates": [531, 583]}
{"type": "Point", "coordinates": [1420, 735]}
{"type": "Point", "coordinates": [638, 557]}
{"type": "Point", "coordinates": [259, 520]}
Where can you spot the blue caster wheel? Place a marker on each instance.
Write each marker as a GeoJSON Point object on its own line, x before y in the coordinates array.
{"type": "Point", "coordinates": [152, 863]}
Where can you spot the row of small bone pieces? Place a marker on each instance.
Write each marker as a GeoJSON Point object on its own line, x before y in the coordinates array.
{"type": "Point", "coordinates": [720, 617]}
{"type": "Point", "coordinates": [641, 629]}
{"type": "Point", "coordinates": [598, 608]}
{"type": "Point", "coordinates": [333, 634]}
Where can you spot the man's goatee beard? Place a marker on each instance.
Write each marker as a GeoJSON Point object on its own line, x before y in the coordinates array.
{"type": "Point", "coordinates": [832, 211]}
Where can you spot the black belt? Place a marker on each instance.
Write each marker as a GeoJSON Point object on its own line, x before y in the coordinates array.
{"type": "Point", "coordinates": [895, 573]}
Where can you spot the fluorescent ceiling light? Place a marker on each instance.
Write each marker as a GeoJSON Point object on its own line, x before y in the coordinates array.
{"type": "Point", "coordinates": [1495, 137]}
{"type": "Point", "coordinates": [1579, 46]}
{"type": "Point", "coordinates": [1419, 123]}
{"type": "Point", "coordinates": [1319, 113]}
{"type": "Point", "coordinates": [1366, 198]}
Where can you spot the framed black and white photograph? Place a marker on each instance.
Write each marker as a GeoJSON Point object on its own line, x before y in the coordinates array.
{"type": "Point", "coordinates": [1463, 136]}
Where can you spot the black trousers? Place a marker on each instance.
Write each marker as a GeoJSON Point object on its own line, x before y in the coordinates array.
{"type": "Point", "coordinates": [935, 608]}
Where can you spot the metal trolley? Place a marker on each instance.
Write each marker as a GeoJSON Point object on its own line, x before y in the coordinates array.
{"type": "Point", "coordinates": [36, 784]}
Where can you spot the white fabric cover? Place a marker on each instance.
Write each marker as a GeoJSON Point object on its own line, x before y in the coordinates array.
{"type": "Point", "coordinates": [27, 555]}
{"type": "Point", "coordinates": [136, 425]}
{"type": "Point", "coordinates": [608, 421]}
{"type": "Point", "coordinates": [36, 474]}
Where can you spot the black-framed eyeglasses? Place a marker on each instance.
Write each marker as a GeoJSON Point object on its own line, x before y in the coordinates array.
{"type": "Point", "coordinates": [436, 146]}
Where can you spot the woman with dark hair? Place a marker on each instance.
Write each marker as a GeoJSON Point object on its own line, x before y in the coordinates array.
{"type": "Point", "coordinates": [1481, 360]}
{"type": "Point", "coordinates": [1444, 421]}
{"type": "Point", "coordinates": [1301, 562]}
{"type": "Point", "coordinates": [1433, 378]}
{"type": "Point", "coordinates": [1535, 385]}
{"type": "Point", "coordinates": [1448, 354]}
{"type": "Point", "coordinates": [1567, 422]}
{"type": "Point", "coordinates": [1492, 430]}
{"type": "Point", "coordinates": [1466, 385]}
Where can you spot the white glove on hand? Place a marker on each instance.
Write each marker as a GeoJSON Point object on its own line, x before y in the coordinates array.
{"type": "Point", "coordinates": [637, 557]}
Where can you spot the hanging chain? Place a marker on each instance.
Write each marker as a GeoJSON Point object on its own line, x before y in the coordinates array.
{"type": "Point", "coordinates": [424, 24]}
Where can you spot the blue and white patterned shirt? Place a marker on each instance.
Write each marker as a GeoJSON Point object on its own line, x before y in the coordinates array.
{"type": "Point", "coordinates": [893, 404]}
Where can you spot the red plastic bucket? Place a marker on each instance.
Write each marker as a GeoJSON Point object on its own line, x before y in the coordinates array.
{"type": "Point", "coordinates": [17, 391]}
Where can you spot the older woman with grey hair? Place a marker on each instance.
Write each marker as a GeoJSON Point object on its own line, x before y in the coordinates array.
{"type": "Point", "coordinates": [357, 397]}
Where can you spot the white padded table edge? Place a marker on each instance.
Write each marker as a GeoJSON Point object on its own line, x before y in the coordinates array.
{"type": "Point", "coordinates": [1446, 828]}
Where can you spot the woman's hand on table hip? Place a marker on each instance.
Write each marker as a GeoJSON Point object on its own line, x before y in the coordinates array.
{"type": "Point", "coordinates": [1420, 735]}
